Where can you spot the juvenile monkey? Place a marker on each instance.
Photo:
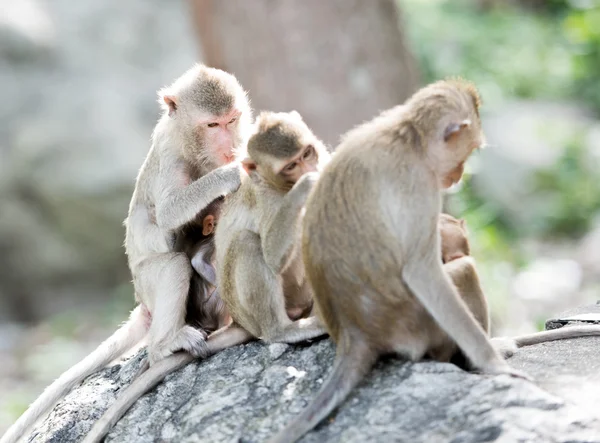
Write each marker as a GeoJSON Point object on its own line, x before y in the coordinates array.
{"type": "Point", "coordinates": [204, 126]}
{"type": "Point", "coordinates": [260, 272]}
{"type": "Point", "coordinates": [454, 240]}
{"type": "Point", "coordinates": [372, 248]}
{"type": "Point", "coordinates": [260, 267]}
{"type": "Point", "coordinates": [460, 267]}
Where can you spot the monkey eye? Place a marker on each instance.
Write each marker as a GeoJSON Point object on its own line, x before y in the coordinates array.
{"type": "Point", "coordinates": [232, 120]}
{"type": "Point", "coordinates": [290, 167]}
{"type": "Point", "coordinates": [212, 125]}
{"type": "Point", "coordinates": [309, 152]}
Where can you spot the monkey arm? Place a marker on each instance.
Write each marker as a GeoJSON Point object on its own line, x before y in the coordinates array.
{"type": "Point", "coordinates": [433, 288]}
{"type": "Point", "coordinates": [280, 235]}
{"type": "Point", "coordinates": [179, 205]}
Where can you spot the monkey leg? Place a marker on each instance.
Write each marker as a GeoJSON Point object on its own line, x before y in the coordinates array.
{"type": "Point", "coordinates": [261, 298]}
{"type": "Point", "coordinates": [164, 280]}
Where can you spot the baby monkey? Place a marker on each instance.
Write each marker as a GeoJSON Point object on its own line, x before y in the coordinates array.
{"type": "Point", "coordinates": [260, 272]}
{"type": "Point", "coordinates": [205, 308]}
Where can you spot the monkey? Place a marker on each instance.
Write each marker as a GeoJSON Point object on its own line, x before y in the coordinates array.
{"type": "Point", "coordinates": [371, 246]}
{"type": "Point", "coordinates": [193, 159]}
{"type": "Point", "coordinates": [260, 272]}
{"type": "Point", "coordinates": [196, 240]}
{"type": "Point", "coordinates": [205, 308]}
{"type": "Point", "coordinates": [453, 238]}
{"type": "Point", "coordinates": [461, 269]}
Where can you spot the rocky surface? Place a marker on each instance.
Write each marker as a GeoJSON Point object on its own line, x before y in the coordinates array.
{"type": "Point", "coordinates": [249, 392]}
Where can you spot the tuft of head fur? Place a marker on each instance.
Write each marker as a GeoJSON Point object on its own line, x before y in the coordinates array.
{"type": "Point", "coordinates": [212, 90]}
{"type": "Point", "coordinates": [279, 135]}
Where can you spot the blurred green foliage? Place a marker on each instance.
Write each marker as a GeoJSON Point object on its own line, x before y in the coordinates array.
{"type": "Point", "coordinates": [572, 188]}
{"type": "Point", "coordinates": [509, 50]}
{"type": "Point", "coordinates": [530, 49]}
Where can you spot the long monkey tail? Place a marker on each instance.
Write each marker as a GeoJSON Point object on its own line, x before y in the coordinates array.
{"type": "Point", "coordinates": [557, 334]}
{"type": "Point", "coordinates": [139, 387]}
{"type": "Point", "coordinates": [349, 369]}
{"type": "Point", "coordinates": [123, 339]}
{"type": "Point", "coordinates": [223, 338]}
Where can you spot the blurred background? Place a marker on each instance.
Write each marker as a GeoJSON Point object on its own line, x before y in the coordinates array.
{"type": "Point", "coordinates": [79, 81]}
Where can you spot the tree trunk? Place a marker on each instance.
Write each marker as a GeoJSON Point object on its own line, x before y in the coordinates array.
{"type": "Point", "coordinates": [337, 62]}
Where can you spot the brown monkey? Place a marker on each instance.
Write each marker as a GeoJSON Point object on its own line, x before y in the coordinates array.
{"type": "Point", "coordinates": [460, 267]}
{"type": "Point", "coordinates": [259, 268]}
{"type": "Point", "coordinates": [453, 235]}
{"type": "Point", "coordinates": [205, 123]}
{"type": "Point", "coordinates": [461, 270]}
{"type": "Point", "coordinates": [372, 248]}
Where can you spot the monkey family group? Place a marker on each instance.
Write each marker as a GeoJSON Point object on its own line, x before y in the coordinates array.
{"type": "Point", "coordinates": [242, 229]}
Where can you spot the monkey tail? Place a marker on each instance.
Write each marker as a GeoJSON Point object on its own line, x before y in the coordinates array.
{"type": "Point", "coordinates": [350, 366]}
{"type": "Point", "coordinates": [557, 334]}
{"type": "Point", "coordinates": [139, 387]}
{"type": "Point", "coordinates": [123, 339]}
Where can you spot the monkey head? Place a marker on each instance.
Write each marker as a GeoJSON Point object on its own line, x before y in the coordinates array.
{"type": "Point", "coordinates": [282, 149]}
{"type": "Point", "coordinates": [445, 115]}
{"type": "Point", "coordinates": [209, 216]}
{"type": "Point", "coordinates": [211, 113]}
{"type": "Point", "coordinates": [453, 235]}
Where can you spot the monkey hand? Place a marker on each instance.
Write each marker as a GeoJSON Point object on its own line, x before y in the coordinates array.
{"type": "Point", "coordinates": [231, 176]}
{"type": "Point", "coordinates": [307, 181]}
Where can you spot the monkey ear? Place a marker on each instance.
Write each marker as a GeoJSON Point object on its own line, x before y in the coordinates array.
{"type": "Point", "coordinates": [171, 102]}
{"type": "Point", "coordinates": [455, 128]}
{"type": "Point", "coordinates": [462, 222]}
{"type": "Point", "coordinates": [208, 225]}
{"type": "Point", "coordinates": [249, 165]}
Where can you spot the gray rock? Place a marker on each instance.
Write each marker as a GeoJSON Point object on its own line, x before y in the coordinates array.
{"type": "Point", "coordinates": [249, 392]}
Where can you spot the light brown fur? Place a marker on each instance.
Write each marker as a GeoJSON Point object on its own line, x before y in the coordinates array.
{"type": "Point", "coordinates": [260, 267]}
{"type": "Point", "coordinates": [204, 126]}
{"type": "Point", "coordinates": [372, 248]}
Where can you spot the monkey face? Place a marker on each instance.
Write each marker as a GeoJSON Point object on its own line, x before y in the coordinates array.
{"type": "Point", "coordinates": [221, 135]}
{"type": "Point", "coordinates": [307, 160]}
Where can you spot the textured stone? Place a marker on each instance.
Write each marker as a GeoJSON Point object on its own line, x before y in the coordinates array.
{"type": "Point", "coordinates": [249, 392]}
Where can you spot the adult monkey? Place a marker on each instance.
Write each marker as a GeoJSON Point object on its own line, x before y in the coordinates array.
{"type": "Point", "coordinates": [204, 127]}
{"type": "Point", "coordinates": [380, 195]}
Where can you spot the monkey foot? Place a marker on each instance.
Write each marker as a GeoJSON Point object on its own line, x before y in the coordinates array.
{"type": "Point", "coordinates": [188, 339]}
